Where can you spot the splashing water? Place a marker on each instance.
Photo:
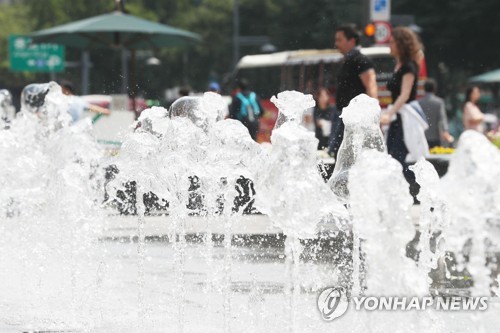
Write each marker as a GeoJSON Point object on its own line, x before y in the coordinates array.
{"type": "Point", "coordinates": [362, 131]}
{"type": "Point", "coordinates": [59, 275]}
{"type": "Point", "coordinates": [189, 144]}
{"type": "Point", "coordinates": [50, 181]}
{"type": "Point", "coordinates": [381, 219]}
{"type": "Point", "coordinates": [291, 106]}
{"type": "Point", "coordinates": [7, 109]}
{"type": "Point", "coordinates": [292, 192]}
{"type": "Point", "coordinates": [471, 188]}
{"type": "Point", "coordinates": [434, 217]}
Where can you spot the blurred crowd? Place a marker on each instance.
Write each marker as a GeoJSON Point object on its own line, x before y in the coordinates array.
{"type": "Point", "coordinates": [410, 117]}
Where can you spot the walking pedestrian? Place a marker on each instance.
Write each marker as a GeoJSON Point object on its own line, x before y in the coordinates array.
{"type": "Point", "coordinates": [356, 76]}
{"type": "Point", "coordinates": [77, 105]}
{"type": "Point", "coordinates": [435, 112]}
{"type": "Point", "coordinates": [473, 118]}
{"type": "Point", "coordinates": [407, 50]}
{"type": "Point", "coordinates": [246, 108]}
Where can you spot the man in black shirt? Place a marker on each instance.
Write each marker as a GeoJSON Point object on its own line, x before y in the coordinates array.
{"type": "Point", "coordinates": [356, 76]}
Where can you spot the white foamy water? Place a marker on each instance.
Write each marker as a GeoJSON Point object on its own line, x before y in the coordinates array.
{"type": "Point", "coordinates": [381, 218]}
{"type": "Point", "coordinates": [473, 197]}
{"type": "Point", "coordinates": [59, 272]}
{"type": "Point", "coordinates": [291, 191]}
{"type": "Point", "coordinates": [362, 131]}
{"type": "Point", "coordinates": [50, 178]}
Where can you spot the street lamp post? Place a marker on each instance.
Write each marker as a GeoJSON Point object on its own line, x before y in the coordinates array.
{"type": "Point", "coordinates": [236, 32]}
{"type": "Point", "coordinates": [85, 63]}
{"type": "Point", "coordinates": [239, 40]}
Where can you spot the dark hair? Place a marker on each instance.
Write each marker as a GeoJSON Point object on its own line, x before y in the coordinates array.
{"type": "Point", "coordinates": [319, 91]}
{"type": "Point", "coordinates": [68, 85]}
{"type": "Point", "coordinates": [468, 93]}
{"type": "Point", "coordinates": [184, 91]}
{"type": "Point", "coordinates": [243, 84]}
{"type": "Point", "coordinates": [430, 85]}
{"type": "Point", "coordinates": [350, 31]}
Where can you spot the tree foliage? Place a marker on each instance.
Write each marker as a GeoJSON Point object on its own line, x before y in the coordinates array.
{"type": "Point", "coordinates": [310, 23]}
{"type": "Point", "coordinates": [13, 20]}
{"type": "Point", "coordinates": [460, 37]}
{"type": "Point", "coordinates": [48, 13]}
{"type": "Point", "coordinates": [461, 33]}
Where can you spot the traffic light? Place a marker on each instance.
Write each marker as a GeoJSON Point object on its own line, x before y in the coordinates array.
{"type": "Point", "coordinates": [370, 30]}
{"type": "Point", "coordinates": [368, 37]}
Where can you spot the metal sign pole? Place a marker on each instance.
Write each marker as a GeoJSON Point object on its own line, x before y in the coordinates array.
{"type": "Point", "coordinates": [85, 72]}
{"type": "Point", "coordinates": [236, 32]}
{"type": "Point", "coordinates": [125, 75]}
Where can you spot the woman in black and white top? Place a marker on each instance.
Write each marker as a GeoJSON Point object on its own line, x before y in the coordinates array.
{"type": "Point", "coordinates": [407, 50]}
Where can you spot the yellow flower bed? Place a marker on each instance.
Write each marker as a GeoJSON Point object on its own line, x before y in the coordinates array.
{"type": "Point", "coordinates": [441, 150]}
{"type": "Point", "coordinates": [494, 137]}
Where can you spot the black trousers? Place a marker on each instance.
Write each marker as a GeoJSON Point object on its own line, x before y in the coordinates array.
{"type": "Point", "coordinates": [253, 128]}
{"type": "Point", "coordinates": [434, 143]}
{"type": "Point", "coordinates": [337, 133]}
{"type": "Point", "coordinates": [397, 149]}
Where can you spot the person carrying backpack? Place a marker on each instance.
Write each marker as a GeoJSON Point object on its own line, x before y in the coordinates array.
{"type": "Point", "coordinates": [246, 108]}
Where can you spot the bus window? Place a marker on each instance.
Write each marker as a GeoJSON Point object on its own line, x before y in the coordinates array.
{"type": "Point", "coordinates": [311, 79]}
